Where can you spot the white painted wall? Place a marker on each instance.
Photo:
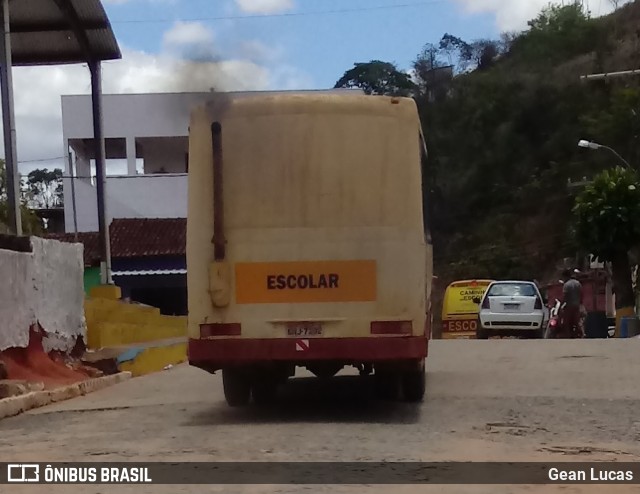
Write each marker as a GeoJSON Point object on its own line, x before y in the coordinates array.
{"type": "Point", "coordinates": [139, 115]}
{"type": "Point", "coordinates": [45, 286]}
{"type": "Point", "coordinates": [134, 116]}
{"type": "Point", "coordinates": [142, 196]}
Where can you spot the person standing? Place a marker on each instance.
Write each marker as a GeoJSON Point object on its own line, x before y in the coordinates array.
{"type": "Point", "coordinates": [572, 297]}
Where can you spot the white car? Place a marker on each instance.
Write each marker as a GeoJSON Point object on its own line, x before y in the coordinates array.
{"type": "Point", "coordinates": [511, 308]}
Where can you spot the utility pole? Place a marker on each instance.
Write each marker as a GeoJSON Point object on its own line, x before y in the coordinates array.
{"type": "Point", "coordinates": [98, 139]}
{"type": "Point", "coordinates": [9, 123]}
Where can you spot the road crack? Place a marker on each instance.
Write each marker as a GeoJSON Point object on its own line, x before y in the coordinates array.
{"type": "Point", "coordinates": [583, 450]}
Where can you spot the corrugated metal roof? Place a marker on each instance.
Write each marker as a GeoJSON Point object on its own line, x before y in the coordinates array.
{"type": "Point", "coordinates": [42, 32]}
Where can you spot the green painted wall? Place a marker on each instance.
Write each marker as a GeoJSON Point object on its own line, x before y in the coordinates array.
{"type": "Point", "coordinates": [91, 279]}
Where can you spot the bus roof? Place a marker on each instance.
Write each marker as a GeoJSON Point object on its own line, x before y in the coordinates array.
{"type": "Point", "coordinates": [267, 103]}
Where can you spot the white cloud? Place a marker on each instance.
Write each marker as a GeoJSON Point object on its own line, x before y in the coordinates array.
{"type": "Point", "coordinates": [188, 33]}
{"type": "Point", "coordinates": [191, 41]}
{"type": "Point", "coordinates": [265, 6]}
{"type": "Point", "coordinates": [258, 52]}
{"type": "Point", "coordinates": [513, 15]}
{"type": "Point", "coordinates": [37, 90]}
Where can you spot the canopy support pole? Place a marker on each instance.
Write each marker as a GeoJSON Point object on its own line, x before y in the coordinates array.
{"type": "Point", "coordinates": [9, 125]}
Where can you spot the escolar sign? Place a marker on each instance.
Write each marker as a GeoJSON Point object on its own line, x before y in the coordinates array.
{"type": "Point", "coordinates": [460, 325]}
{"type": "Point", "coordinates": [306, 282]}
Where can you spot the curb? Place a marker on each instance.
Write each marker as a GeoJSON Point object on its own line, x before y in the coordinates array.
{"type": "Point", "coordinates": [18, 404]}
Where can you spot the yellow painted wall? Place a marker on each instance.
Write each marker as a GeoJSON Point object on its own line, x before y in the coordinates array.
{"type": "Point", "coordinates": [112, 323]}
{"type": "Point", "coordinates": [155, 359]}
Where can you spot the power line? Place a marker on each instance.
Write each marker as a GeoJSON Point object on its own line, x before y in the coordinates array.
{"type": "Point", "coordinates": [287, 14]}
{"type": "Point", "coordinates": [40, 160]}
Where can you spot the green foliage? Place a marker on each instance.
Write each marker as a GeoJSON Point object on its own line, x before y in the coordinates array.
{"type": "Point", "coordinates": [558, 33]}
{"type": "Point", "coordinates": [502, 119]}
{"type": "Point", "coordinates": [608, 213]}
{"type": "Point", "coordinates": [377, 78]}
{"type": "Point", "coordinates": [616, 121]}
{"type": "Point", "coordinates": [503, 146]}
{"type": "Point", "coordinates": [45, 188]}
{"type": "Point", "coordinates": [31, 224]}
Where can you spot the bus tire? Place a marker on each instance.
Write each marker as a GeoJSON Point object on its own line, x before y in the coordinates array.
{"type": "Point", "coordinates": [387, 386]}
{"type": "Point", "coordinates": [237, 387]}
{"type": "Point", "coordinates": [264, 390]}
{"type": "Point", "coordinates": [413, 385]}
{"type": "Point", "coordinates": [481, 333]}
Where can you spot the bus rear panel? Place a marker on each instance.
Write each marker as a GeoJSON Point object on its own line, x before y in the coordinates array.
{"type": "Point", "coordinates": [305, 242]}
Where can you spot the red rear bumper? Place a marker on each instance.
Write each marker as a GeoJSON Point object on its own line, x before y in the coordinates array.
{"type": "Point", "coordinates": [217, 354]}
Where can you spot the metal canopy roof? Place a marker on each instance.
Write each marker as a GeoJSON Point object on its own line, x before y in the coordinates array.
{"type": "Point", "coordinates": [52, 32]}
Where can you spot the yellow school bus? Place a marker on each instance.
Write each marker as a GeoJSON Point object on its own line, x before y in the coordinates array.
{"type": "Point", "coordinates": [306, 243]}
{"type": "Point", "coordinates": [459, 311]}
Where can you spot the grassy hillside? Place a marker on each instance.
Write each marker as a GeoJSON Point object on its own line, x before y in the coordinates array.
{"type": "Point", "coordinates": [503, 141]}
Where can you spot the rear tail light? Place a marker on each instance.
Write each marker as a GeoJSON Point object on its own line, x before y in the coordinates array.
{"type": "Point", "coordinates": [219, 329]}
{"type": "Point", "coordinates": [391, 327]}
{"type": "Point", "coordinates": [485, 303]}
{"type": "Point", "coordinates": [538, 304]}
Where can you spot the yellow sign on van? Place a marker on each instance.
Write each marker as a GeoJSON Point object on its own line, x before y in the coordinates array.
{"type": "Point", "coordinates": [306, 282]}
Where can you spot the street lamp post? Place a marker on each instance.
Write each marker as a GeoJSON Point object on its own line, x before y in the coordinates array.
{"type": "Point", "coordinates": [595, 146]}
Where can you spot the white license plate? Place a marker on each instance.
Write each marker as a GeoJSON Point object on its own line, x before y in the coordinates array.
{"type": "Point", "coordinates": [511, 306]}
{"type": "Point", "coordinates": [304, 329]}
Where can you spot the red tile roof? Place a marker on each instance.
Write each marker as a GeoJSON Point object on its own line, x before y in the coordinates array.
{"type": "Point", "coordinates": [135, 237]}
{"type": "Point", "coordinates": [141, 237]}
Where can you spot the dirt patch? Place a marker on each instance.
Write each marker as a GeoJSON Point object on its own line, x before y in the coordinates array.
{"type": "Point", "coordinates": [33, 364]}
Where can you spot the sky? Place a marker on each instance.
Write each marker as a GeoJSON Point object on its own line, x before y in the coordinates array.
{"type": "Point", "coordinates": [251, 44]}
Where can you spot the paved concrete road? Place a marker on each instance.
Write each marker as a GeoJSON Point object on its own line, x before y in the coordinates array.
{"type": "Point", "coordinates": [487, 400]}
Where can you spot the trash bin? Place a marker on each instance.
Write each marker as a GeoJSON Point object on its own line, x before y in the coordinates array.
{"type": "Point", "coordinates": [596, 325]}
{"type": "Point", "coordinates": [629, 327]}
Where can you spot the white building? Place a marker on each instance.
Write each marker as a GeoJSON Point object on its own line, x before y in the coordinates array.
{"type": "Point", "coordinates": [147, 131]}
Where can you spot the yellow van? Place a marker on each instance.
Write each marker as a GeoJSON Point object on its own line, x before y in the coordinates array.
{"type": "Point", "coordinates": [459, 312]}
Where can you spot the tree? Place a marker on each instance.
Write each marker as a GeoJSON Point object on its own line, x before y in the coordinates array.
{"type": "Point", "coordinates": [433, 76]}
{"type": "Point", "coordinates": [31, 224]}
{"type": "Point", "coordinates": [45, 188]}
{"type": "Point", "coordinates": [608, 225]}
{"type": "Point", "coordinates": [458, 51]}
{"type": "Point", "coordinates": [559, 32]}
{"type": "Point", "coordinates": [377, 78]}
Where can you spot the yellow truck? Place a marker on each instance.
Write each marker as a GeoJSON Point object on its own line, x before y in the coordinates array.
{"type": "Point", "coordinates": [306, 243]}
{"type": "Point", "coordinates": [459, 311]}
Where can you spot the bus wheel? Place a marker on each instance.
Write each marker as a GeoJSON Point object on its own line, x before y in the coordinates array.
{"type": "Point", "coordinates": [413, 385]}
{"type": "Point", "coordinates": [387, 386]}
{"type": "Point", "coordinates": [237, 387]}
{"type": "Point", "coordinates": [264, 389]}
{"type": "Point", "coordinates": [481, 333]}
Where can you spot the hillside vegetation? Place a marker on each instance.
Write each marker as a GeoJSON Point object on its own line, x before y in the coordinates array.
{"type": "Point", "coordinates": [503, 141]}
{"type": "Point", "coordinates": [502, 120]}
